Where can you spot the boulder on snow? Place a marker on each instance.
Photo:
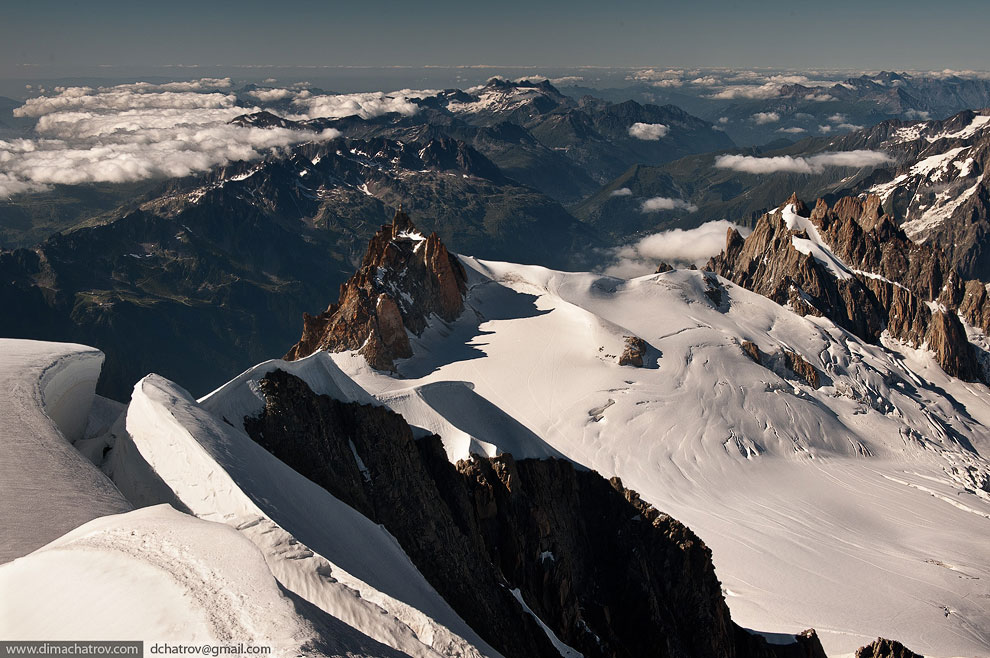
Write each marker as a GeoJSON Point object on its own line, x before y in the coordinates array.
{"type": "Point", "coordinates": [634, 352]}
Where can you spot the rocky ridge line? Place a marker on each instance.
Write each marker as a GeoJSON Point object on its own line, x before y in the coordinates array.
{"type": "Point", "coordinates": [889, 289]}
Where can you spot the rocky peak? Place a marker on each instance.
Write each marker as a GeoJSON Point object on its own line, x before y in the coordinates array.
{"type": "Point", "coordinates": [886, 289]}
{"type": "Point", "coordinates": [404, 280]}
{"type": "Point", "coordinates": [446, 154]}
{"type": "Point", "coordinates": [265, 119]}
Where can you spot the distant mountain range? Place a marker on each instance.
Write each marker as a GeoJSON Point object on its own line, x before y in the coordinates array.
{"type": "Point", "coordinates": [929, 174]}
{"type": "Point", "coordinates": [131, 266]}
{"type": "Point", "coordinates": [245, 249]}
{"type": "Point", "coordinates": [538, 136]}
{"type": "Point", "coordinates": [758, 114]}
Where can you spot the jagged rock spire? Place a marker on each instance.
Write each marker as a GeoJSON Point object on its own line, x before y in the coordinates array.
{"type": "Point", "coordinates": [404, 280]}
{"type": "Point", "coordinates": [892, 297]}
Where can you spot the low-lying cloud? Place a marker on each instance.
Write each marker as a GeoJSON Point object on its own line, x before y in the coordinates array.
{"type": "Point", "coordinates": [133, 132]}
{"type": "Point", "coordinates": [622, 191]}
{"type": "Point", "coordinates": [364, 105]}
{"type": "Point", "coordinates": [814, 164]}
{"type": "Point", "coordinates": [557, 82]}
{"type": "Point", "coordinates": [648, 131]}
{"type": "Point", "coordinates": [271, 95]}
{"type": "Point", "coordinates": [762, 118]}
{"type": "Point", "coordinates": [660, 203]}
{"type": "Point", "coordinates": [123, 97]}
{"type": "Point", "coordinates": [676, 247]}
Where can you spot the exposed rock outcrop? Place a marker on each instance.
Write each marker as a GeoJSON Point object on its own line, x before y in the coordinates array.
{"type": "Point", "coordinates": [405, 278]}
{"type": "Point", "coordinates": [886, 290]}
{"type": "Point", "coordinates": [800, 367]}
{"type": "Point", "coordinates": [610, 575]}
{"type": "Point", "coordinates": [634, 352]}
{"type": "Point", "coordinates": [883, 648]}
{"type": "Point", "coordinates": [969, 298]}
{"type": "Point", "coordinates": [752, 351]}
{"type": "Point", "coordinates": [715, 292]}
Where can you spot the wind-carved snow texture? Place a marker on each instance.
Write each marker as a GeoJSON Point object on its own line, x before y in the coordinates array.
{"type": "Point", "coordinates": [46, 487]}
{"type": "Point", "coordinates": [823, 507]}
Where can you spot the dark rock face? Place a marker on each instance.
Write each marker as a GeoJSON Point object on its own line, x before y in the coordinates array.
{"type": "Point", "coordinates": [663, 267]}
{"type": "Point", "coordinates": [634, 352]}
{"type": "Point", "coordinates": [715, 292]}
{"type": "Point", "coordinates": [865, 304]}
{"type": "Point", "coordinates": [969, 298]}
{"type": "Point", "coordinates": [609, 574]}
{"type": "Point", "coordinates": [883, 648]}
{"type": "Point", "coordinates": [404, 279]}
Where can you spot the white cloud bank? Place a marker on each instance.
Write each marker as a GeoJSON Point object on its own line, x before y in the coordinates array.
{"type": "Point", "coordinates": [814, 164]}
{"type": "Point", "coordinates": [133, 132]}
{"type": "Point", "coordinates": [271, 95]}
{"type": "Point", "coordinates": [364, 105]}
{"type": "Point", "coordinates": [648, 131]}
{"type": "Point", "coordinates": [622, 191]}
{"type": "Point", "coordinates": [677, 247]}
{"type": "Point", "coordinates": [658, 203]}
{"type": "Point", "coordinates": [556, 82]}
{"type": "Point", "coordinates": [762, 118]}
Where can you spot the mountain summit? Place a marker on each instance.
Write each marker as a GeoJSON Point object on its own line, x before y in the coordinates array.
{"type": "Point", "coordinates": [405, 279]}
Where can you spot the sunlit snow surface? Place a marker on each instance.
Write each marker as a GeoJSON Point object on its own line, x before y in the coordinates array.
{"type": "Point", "coordinates": [853, 508]}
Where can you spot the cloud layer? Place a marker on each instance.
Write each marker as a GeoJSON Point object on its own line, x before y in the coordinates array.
{"type": "Point", "coordinates": [133, 132]}
{"type": "Point", "coordinates": [814, 164]}
{"type": "Point", "coordinates": [658, 203]}
{"type": "Point", "coordinates": [648, 131]}
{"type": "Point", "coordinates": [677, 247]}
{"type": "Point", "coordinates": [762, 118]}
{"type": "Point", "coordinates": [365, 105]}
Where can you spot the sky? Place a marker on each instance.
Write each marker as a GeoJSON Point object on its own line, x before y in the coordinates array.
{"type": "Point", "coordinates": [51, 38]}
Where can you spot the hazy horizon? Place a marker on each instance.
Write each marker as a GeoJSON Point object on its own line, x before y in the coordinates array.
{"type": "Point", "coordinates": [52, 39]}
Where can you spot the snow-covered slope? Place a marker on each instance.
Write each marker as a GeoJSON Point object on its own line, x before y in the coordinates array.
{"type": "Point", "coordinates": [171, 449]}
{"type": "Point", "coordinates": [46, 487]}
{"type": "Point", "coordinates": [158, 575]}
{"type": "Point", "coordinates": [856, 508]}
